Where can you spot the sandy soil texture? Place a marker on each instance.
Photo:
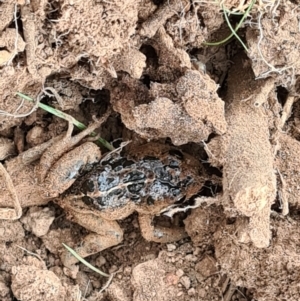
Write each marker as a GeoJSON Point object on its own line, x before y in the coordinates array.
{"type": "Point", "coordinates": [199, 198]}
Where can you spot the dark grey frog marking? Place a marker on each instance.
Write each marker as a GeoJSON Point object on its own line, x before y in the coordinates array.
{"type": "Point", "coordinates": [147, 180]}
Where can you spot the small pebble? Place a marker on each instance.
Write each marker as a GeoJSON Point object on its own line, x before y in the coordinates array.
{"type": "Point", "coordinates": [171, 247]}
{"type": "Point", "coordinates": [112, 269]}
{"type": "Point", "coordinates": [180, 273]}
{"type": "Point", "coordinates": [191, 292]}
{"type": "Point", "coordinates": [100, 261]}
{"type": "Point", "coordinates": [72, 273]}
{"type": "Point", "coordinates": [186, 282]}
{"type": "Point", "coordinates": [132, 235]}
{"type": "Point", "coordinates": [196, 251]}
{"type": "Point", "coordinates": [127, 270]}
{"type": "Point", "coordinates": [201, 293]}
{"type": "Point", "coordinates": [96, 283]}
{"type": "Point", "coordinates": [191, 257]}
{"type": "Point", "coordinates": [135, 224]}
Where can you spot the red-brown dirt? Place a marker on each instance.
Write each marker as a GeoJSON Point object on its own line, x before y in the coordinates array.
{"type": "Point", "coordinates": [211, 207]}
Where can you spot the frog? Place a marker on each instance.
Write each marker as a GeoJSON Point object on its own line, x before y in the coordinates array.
{"type": "Point", "coordinates": [97, 191]}
{"type": "Point", "coordinates": [145, 179]}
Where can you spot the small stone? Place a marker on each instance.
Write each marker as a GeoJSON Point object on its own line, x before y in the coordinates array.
{"type": "Point", "coordinates": [179, 273]}
{"type": "Point", "coordinates": [186, 282]}
{"type": "Point", "coordinates": [201, 293]}
{"type": "Point", "coordinates": [170, 254]}
{"type": "Point", "coordinates": [171, 247]}
{"type": "Point", "coordinates": [38, 220]}
{"type": "Point", "coordinates": [4, 290]}
{"type": "Point", "coordinates": [112, 269]}
{"type": "Point", "coordinates": [192, 292]}
{"type": "Point", "coordinates": [135, 224]}
{"type": "Point", "coordinates": [148, 257]}
{"type": "Point", "coordinates": [171, 279]}
{"type": "Point", "coordinates": [191, 257]}
{"type": "Point", "coordinates": [132, 235]}
{"type": "Point", "coordinates": [196, 251]}
{"type": "Point", "coordinates": [72, 272]}
{"type": "Point", "coordinates": [100, 261]}
{"type": "Point", "coordinates": [127, 270]}
{"type": "Point", "coordinates": [206, 267]}
{"type": "Point", "coordinates": [96, 283]}
{"type": "Point", "coordinates": [84, 283]}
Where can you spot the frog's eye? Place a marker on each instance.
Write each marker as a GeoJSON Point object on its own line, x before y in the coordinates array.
{"type": "Point", "coordinates": [176, 153]}
{"type": "Point", "coordinates": [173, 163]}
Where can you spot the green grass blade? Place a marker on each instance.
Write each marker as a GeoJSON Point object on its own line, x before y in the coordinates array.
{"type": "Point", "coordinates": [85, 262]}
{"type": "Point", "coordinates": [233, 31]}
{"type": "Point", "coordinates": [65, 116]}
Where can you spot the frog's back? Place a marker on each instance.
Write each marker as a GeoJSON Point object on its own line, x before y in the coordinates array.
{"type": "Point", "coordinates": [148, 176]}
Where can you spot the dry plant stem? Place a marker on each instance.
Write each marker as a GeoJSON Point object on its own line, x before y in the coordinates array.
{"type": "Point", "coordinates": [282, 195]}
{"type": "Point", "coordinates": [160, 16]}
{"type": "Point", "coordinates": [229, 293]}
{"type": "Point", "coordinates": [15, 115]}
{"type": "Point", "coordinates": [55, 94]}
{"type": "Point", "coordinates": [31, 253]}
{"type": "Point", "coordinates": [9, 213]}
{"type": "Point", "coordinates": [107, 284]}
{"type": "Point", "coordinates": [287, 110]}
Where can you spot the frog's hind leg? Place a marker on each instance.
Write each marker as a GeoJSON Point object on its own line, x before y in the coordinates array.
{"type": "Point", "coordinates": [52, 155]}
{"type": "Point", "coordinates": [106, 234]}
{"type": "Point", "coordinates": [63, 173]}
{"type": "Point", "coordinates": [158, 233]}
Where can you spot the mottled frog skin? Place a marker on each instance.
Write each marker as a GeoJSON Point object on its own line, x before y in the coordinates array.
{"type": "Point", "coordinates": [144, 179]}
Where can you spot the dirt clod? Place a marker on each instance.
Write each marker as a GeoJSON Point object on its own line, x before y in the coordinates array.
{"type": "Point", "coordinates": [32, 281]}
